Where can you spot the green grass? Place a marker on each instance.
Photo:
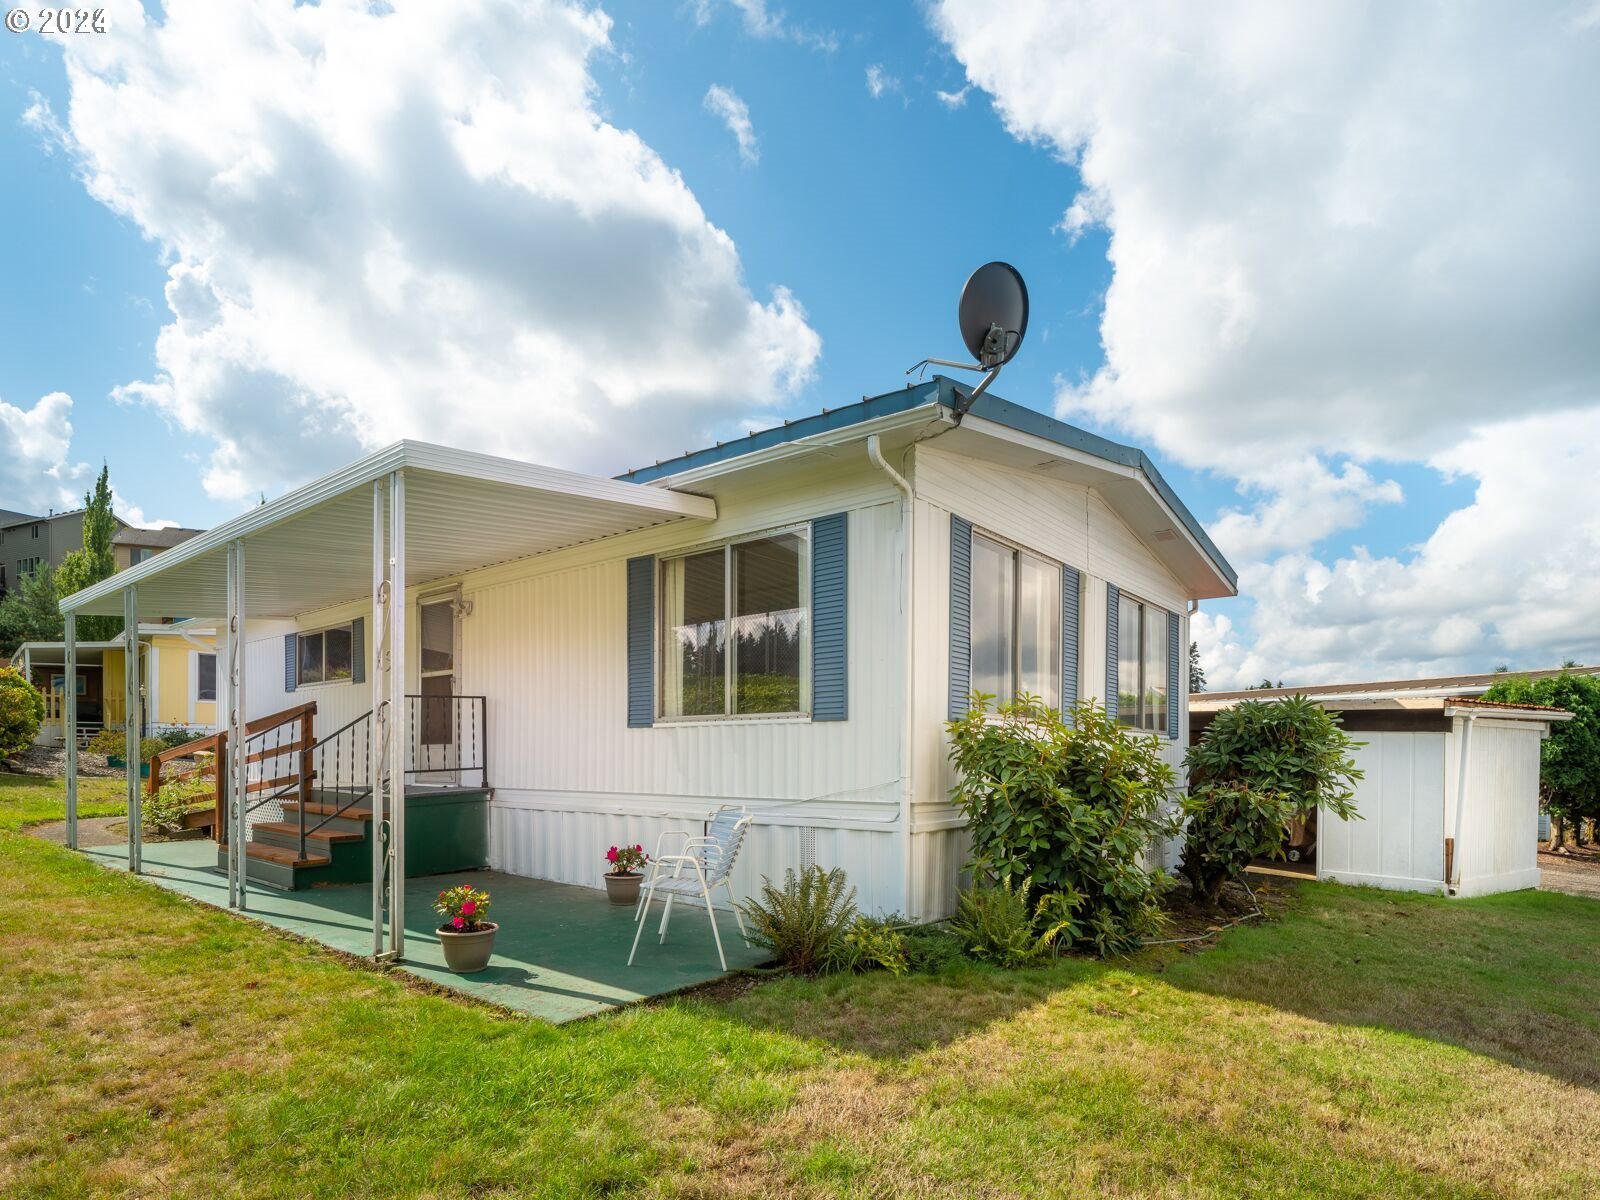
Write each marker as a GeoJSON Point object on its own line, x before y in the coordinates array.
{"type": "Point", "coordinates": [1361, 1044]}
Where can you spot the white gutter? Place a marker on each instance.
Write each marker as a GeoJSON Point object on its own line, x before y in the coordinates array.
{"type": "Point", "coordinates": [829, 439]}
{"type": "Point", "coordinates": [907, 515]}
{"type": "Point", "coordinates": [1453, 875]}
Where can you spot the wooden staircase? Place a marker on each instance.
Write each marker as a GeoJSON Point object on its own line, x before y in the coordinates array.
{"type": "Point", "coordinates": [336, 852]}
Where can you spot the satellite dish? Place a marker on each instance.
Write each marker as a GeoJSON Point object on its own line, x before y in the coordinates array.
{"type": "Point", "coordinates": [994, 318]}
{"type": "Point", "coordinates": [994, 314]}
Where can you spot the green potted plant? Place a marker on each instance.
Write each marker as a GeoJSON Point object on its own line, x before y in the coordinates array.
{"type": "Point", "coordinates": [626, 873]}
{"type": "Point", "coordinates": [465, 934]}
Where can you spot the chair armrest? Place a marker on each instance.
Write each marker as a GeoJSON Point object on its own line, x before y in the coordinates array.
{"type": "Point", "coordinates": [669, 833]}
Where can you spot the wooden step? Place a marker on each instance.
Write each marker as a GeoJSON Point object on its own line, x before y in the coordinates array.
{"type": "Point", "coordinates": [292, 829]}
{"type": "Point", "coordinates": [284, 858]}
{"type": "Point", "coordinates": [355, 812]}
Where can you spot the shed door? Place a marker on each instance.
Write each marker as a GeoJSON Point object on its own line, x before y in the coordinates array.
{"type": "Point", "coordinates": [1399, 840]}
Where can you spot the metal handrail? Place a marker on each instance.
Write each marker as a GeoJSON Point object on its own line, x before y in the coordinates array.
{"type": "Point", "coordinates": [456, 744]}
{"type": "Point", "coordinates": [359, 745]}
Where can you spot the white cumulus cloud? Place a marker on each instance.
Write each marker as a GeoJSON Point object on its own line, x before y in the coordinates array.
{"type": "Point", "coordinates": [34, 472]}
{"type": "Point", "coordinates": [412, 220]}
{"type": "Point", "coordinates": [735, 114]}
{"type": "Point", "coordinates": [1341, 236]}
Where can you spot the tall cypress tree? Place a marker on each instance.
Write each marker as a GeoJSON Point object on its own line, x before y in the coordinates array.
{"type": "Point", "coordinates": [96, 561]}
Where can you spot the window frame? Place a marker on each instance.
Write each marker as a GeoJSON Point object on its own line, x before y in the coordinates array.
{"type": "Point", "coordinates": [1017, 551]}
{"type": "Point", "coordinates": [802, 530]}
{"type": "Point", "coordinates": [199, 657]}
{"type": "Point", "coordinates": [300, 681]}
{"type": "Point", "coordinates": [1145, 608]}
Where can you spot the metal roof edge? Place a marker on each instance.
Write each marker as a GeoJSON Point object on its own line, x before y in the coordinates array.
{"type": "Point", "coordinates": [422, 456]}
{"type": "Point", "coordinates": [943, 390]}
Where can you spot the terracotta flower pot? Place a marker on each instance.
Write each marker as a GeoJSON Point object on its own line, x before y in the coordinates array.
{"type": "Point", "coordinates": [465, 953]}
{"type": "Point", "coordinates": [624, 889]}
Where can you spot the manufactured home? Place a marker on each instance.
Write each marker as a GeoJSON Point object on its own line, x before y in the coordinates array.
{"type": "Point", "coordinates": [783, 622]}
{"type": "Point", "coordinates": [177, 681]}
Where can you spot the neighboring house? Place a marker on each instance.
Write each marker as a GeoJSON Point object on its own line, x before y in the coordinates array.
{"type": "Point", "coordinates": [1449, 801]}
{"type": "Point", "coordinates": [132, 545]}
{"type": "Point", "coordinates": [784, 622]}
{"type": "Point", "coordinates": [177, 680]}
{"type": "Point", "coordinates": [28, 542]}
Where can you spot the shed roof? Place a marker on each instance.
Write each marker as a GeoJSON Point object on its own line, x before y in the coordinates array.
{"type": "Point", "coordinates": [1439, 685]}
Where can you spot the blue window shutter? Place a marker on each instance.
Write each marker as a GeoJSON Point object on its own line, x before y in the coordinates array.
{"type": "Point", "coordinates": [1173, 694]}
{"type": "Point", "coordinates": [641, 641]}
{"type": "Point", "coordinates": [291, 660]}
{"type": "Point", "coordinates": [830, 659]}
{"type": "Point", "coordinates": [1069, 640]}
{"type": "Point", "coordinates": [960, 616]}
{"type": "Point", "coordinates": [1113, 598]}
{"type": "Point", "coordinates": [358, 650]}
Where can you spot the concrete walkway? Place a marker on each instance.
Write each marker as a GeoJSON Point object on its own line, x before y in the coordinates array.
{"type": "Point", "coordinates": [561, 952]}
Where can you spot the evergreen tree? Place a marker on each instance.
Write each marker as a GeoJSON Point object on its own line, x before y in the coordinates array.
{"type": "Point", "coordinates": [29, 613]}
{"type": "Point", "coordinates": [96, 561]}
{"type": "Point", "coordinates": [1197, 673]}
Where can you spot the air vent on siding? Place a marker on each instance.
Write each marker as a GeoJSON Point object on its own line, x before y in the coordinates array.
{"type": "Point", "coordinates": [1163, 535]}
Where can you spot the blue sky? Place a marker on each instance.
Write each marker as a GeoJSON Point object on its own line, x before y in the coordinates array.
{"type": "Point", "coordinates": [870, 210]}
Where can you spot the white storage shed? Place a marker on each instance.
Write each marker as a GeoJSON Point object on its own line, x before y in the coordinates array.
{"type": "Point", "coordinates": [1449, 798]}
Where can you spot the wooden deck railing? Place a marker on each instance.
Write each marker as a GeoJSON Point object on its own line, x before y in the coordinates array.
{"type": "Point", "coordinates": [299, 773]}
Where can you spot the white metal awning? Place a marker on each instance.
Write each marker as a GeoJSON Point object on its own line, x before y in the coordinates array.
{"type": "Point", "coordinates": [312, 548]}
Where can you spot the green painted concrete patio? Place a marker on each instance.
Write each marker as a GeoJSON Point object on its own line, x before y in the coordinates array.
{"type": "Point", "coordinates": [561, 953]}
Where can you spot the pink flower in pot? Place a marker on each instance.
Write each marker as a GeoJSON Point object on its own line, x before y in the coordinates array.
{"type": "Point", "coordinates": [468, 908]}
{"type": "Point", "coordinates": [459, 922]}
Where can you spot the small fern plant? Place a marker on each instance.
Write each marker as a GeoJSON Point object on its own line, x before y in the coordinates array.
{"type": "Point", "coordinates": [802, 922]}
{"type": "Point", "coordinates": [997, 925]}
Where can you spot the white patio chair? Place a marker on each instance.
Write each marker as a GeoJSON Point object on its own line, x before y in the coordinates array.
{"type": "Point", "coordinates": [701, 865]}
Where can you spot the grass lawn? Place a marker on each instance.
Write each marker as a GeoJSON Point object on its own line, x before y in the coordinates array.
{"type": "Point", "coordinates": [1365, 1044]}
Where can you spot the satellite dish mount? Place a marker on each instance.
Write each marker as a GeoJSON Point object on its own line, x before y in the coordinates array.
{"type": "Point", "coordinates": [994, 318]}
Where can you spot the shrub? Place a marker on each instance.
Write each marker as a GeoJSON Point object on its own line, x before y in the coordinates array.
{"type": "Point", "coordinates": [1259, 765]}
{"type": "Point", "coordinates": [163, 811]}
{"type": "Point", "coordinates": [21, 712]}
{"type": "Point", "coordinates": [996, 924]}
{"type": "Point", "coordinates": [176, 736]}
{"type": "Point", "coordinates": [115, 742]}
{"type": "Point", "coordinates": [1569, 759]}
{"type": "Point", "coordinates": [869, 942]}
{"type": "Point", "coordinates": [801, 921]}
{"type": "Point", "coordinates": [1071, 809]}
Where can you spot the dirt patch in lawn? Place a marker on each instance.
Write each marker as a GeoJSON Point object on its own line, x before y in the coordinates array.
{"type": "Point", "coordinates": [51, 761]}
{"type": "Point", "coordinates": [1576, 872]}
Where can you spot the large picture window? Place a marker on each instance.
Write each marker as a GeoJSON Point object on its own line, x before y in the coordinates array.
{"type": "Point", "coordinates": [1142, 665]}
{"type": "Point", "coordinates": [1016, 623]}
{"type": "Point", "coordinates": [324, 656]}
{"type": "Point", "coordinates": [736, 628]}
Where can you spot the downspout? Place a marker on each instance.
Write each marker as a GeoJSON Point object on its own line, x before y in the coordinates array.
{"type": "Point", "coordinates": [1452, 846]}
{"type": "Point", "coordinates": [907, 512]}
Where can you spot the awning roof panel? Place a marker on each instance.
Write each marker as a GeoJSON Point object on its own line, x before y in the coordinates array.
{"type": "Point", "coordinates": [312, 548]}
